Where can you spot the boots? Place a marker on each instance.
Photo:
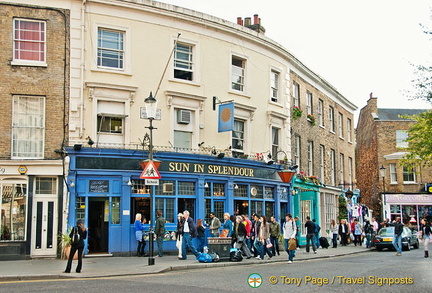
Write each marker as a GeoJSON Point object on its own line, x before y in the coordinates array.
{"type": "Point", "coordinates": [426, 253]}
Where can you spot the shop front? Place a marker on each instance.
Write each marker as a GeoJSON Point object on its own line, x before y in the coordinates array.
{"type": "Point", "coordinates": [108, 192]}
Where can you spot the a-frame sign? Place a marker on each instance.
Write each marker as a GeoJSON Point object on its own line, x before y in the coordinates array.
{"type": "Point", "coordinates": [150, 171]}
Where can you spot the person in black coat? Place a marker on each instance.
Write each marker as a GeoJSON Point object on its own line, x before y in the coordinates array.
{"type": "Point", "coordinates": [189, 232]}
{"type": "Point", "coordinates": [344, 232]}
{"type": "Point", "coordinates": [82, 231]}
{"type": "Point", "coordinates": [239, 236]}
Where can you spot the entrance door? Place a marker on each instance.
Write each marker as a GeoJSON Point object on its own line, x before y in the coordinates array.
{"type": "Point", "coordinates": [241, 207]}
{"type": "Point", "coordinates": [98, 219]}
{"type": "Point", "coordinates": [44, 227]}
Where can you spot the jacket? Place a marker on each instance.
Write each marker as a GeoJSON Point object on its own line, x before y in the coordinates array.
{"type": "Point", "coordinates": [310, 227]}
{"type": "Point", "coordinates": [274, 229]}
{"type": "Point", "coordinates": [239, 230]}
{"type": "Point", "coordinates": [264, 232]}
{"type": "Point", "coordinates": [346, 229]}
{"type": "Point", "coordinates": [214, 226]}
{"type": "Point", "coordinates": [289, 229]}
{"type": "Point", "coordinates": [160, 226]}
{"type": "Point", "coordinates": [192, 229]}
{"type": "Point", "coordinates": [82, 234]}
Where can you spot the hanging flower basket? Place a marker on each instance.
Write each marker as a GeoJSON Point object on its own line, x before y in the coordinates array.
{"type": "Point", "coordinates": [311, 119]}
{"type": "Point", "coordinates": [297, 113]}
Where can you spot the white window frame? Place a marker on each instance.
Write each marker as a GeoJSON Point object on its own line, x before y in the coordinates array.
{"type": "Point", "coordinates": [189, 63]}
{"type": "Point", "coordinates": [331, 119]}
{"type": "Point", "coordinates": [242, 138]}
{"type": "Point", "coordinates": [350, 171]}
{"type": "Point", "coordinates": [275, 143]}
{"type": "Point", "coordinates": [342, 168]}
{"type": "Point", "coordinates": [349, 133]}
{"type": "Point", "coordinates": [401, 136]}
{"type": "Point", "coordinates": [20, 125]}
{"type": "Point", "coordinates": [322, 162]}
{"type": "Point", "coordinates": [297, 150]}
{"type": "Point", "coordinates": [393, 173]}
{"type": "Point", "coordinates": [321, 113]}
{"type": "Point", "coordinates": [310, 158]}
{"type": "Point", "coordinates": [296, 94]}
{"type": "Point", "coordinates": [309, 101]}
{"type": "Point", "coordinates": [274, 85]}
{"type": "Point", "coordinates": [341, 132]}
{"type": "Point", "coordinates": [42, 42]}
{"type": "Point", "coordinates": [242, 83]}
{"type": "Point", "coordinates": [333, 167]}
{"type": "Point", "coordinates": [406, 173]}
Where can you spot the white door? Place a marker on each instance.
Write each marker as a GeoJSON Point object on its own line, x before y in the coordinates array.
{"type": "Point", "coordinates": [44, 227]}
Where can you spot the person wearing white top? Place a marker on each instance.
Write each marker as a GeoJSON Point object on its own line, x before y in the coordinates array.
{"type": "Point", "coordinates": [289, 232]}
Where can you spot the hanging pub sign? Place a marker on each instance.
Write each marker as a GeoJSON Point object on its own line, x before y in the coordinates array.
{"type": "Point", "coordinates": [428, 187]}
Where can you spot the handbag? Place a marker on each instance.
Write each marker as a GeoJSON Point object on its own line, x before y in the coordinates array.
{"type": "Point", "coordinates": [224, 233]}
{"type": "Point", "coordinates": [269, 245]}
{"type": "Point", "coordinates": [240, 239]}
{"type": "Point", "coordinates": [292, 244]}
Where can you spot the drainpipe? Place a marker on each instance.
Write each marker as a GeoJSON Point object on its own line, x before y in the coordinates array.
{"type": "Point", "coordinates": [81, 127]}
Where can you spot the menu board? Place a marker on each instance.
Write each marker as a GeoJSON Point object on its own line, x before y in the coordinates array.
{"type": "Point", "coordinates": [99, 186]}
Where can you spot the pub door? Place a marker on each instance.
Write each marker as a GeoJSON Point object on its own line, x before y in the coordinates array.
{"type": "Point", "coordinates": [98, 223]}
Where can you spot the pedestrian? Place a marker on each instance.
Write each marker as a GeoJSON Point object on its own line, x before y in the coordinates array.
{"type": "Point", "coordinates": [239, 235]}
{"type": "Point", "coordinates": [297, 222]}
{"type": "Point", "coordinates": [201, 235]}
{"type": "Point", "coordinates": [397, 238]}
{"type": "Point", "coordinates": [264, 238]}
{"type": "Point", "coordinates": [310, 234]}
{"type": "Point", "coordinates": [160, 232]}
{"type": "Point", "coordinates": [357, 233]}
{"type": "Point", "coordinates": [257, 245]}
{"type": "Point", "coordinates": [334, 229]}
{"type": "Point", "coordinates": [227, 225]}
{"type": "Point", "coordinates": [179, 234]}
{"type": "Point", "coordinates": [79, 246]}
{"type": "Point", "coordinates": [375, 228]}
{"type": "Point", "coordinates": [189, 232]}
{"type": "Point", "coordinates": [214, 225]}
{"type": "Point", "coordinates": [316, 233]}
{"type": "Point", "coordinates": [248, 226]}
{"type": "Point", "coordinates": [275, 231]}
{"type": "Point", "coordinates": [139, 228]}
{"type": "Point", "coordinates": [368, 230]}
{"type": "Point", "coordinates": [344, 232]}
{"type": "Point", "coordinates": [289, 233]}
{"type": "Point", "coordinates": [425, 232]}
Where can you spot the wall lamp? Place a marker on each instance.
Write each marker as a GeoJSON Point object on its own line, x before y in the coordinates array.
{"type": "Point", "coordinates": [90, 141]}
{"type": "Point", "coordinates": [235, 186]}
{"type": "Point", "coordinates": [71, 183]}
{"type": "Point", "coordinates": [129, 182]}
{"type": "Point", "coordinates": [214, 153]}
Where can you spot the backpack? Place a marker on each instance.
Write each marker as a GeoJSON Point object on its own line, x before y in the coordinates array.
{"type": "Point", "coordinates": [235, 255]}
{"type": "Point", "coordinates": [75, 236]}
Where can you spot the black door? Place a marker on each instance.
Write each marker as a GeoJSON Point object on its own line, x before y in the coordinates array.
{"type": "Point", "coordinates": [97, 226]}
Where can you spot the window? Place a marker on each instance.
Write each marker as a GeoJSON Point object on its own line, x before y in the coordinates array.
{"type": "Point", "coordinates": [297, 151]}
{"type": "Point", "coordinates": [28, 127]}
{"type": "Point", "coordinates": [322, 162]}
{"type": "Point", "coordinates": [349, 134]}
{"type": "Point", "coordinates": [238, 135]}
{"type": "Point", "coordinates": [350, 171]}
{"type": "Point", "coordinates": [341, 168]}
{"type": "Point", "coordinates": [305, 211]}
{"type": "Point", "coordinates": [309, 103]}
{"type": "Point", "coordinates": [13, 202]}
{"type": "Point", "coordinates": [183, 128]}
{"type": "Point", "coordinates": [182, 139]}
{"type": "Point", "coordinates": [401, 137]}
{"type": "Point", "coordinates": [46, 185]}
{"type": "Point", "coordinates": [274, 85]}
{"type": "Point", "coordinates": [393, 174]}
{"type": "Point", "coordinates": [110, 50]}
{"type": "Point", "coordinates": [408, 175]}
{"type": "Point", "coordinates": [333, 167]}
{"type": "Point", "coordinates": [108, 124]}
{"type": "Point", "coordinates": [341, 125]}
{"type": "Point", "coordinates": [183, 65]}
{"type": "Point", "coordinates": [115, 210]}
{"type": "Point", "coordinates": [166, 205]}
{"type": "Point", "coordinates": [331, 208]}
{"type": "Point", "coordinates": [275, 142]}
{"type": "Point", "coordinates": [296, 94]}
{"type": "Point", "coordinates": [29, 41]}
{"type": "Point", "coordinates": [310, 158]}
{"type": "Point", "coordinates": [331, 119]}
{"type": "Point", "coordinates": [321, 112]}
{"type": "Point", "coordinates": [238, 73]}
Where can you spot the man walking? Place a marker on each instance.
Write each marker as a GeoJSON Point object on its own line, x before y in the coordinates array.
{"type": "Point", "coordinates": [310, 234]}
{"type": "Point", "coordinates": [160, 232]}
{"type": "Point", "coordinates": [274, 235]}
{"type": "Point", "coordinates": [214, 225]}
{"type": "Point", "coordinates": [289, 233]}
{"type": "Point", "coordinates": [189, 232]}
{"type": "Point", "coordinates": [397, 239]}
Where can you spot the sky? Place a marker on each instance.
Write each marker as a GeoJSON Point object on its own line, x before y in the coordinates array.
{"type": "Point", "coordinates": [359, 47]}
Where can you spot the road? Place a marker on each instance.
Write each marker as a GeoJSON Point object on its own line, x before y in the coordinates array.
{"type": "Point", "coordinates": [367, 272]}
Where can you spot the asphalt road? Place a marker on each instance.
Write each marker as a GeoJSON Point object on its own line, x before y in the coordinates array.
{"type": "Point", "coordinates": [367, 272]}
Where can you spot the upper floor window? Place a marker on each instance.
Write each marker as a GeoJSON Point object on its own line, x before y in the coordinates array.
{"type": "Point", "coordinates": [184, 128]}
{"type": "Point", "coordinates": [393, 174]}
{"type": "Point", "coordinates": [183, 62]}
{"type": "Point", "coordinates": [238, 135]}
{"type": "Point", "coordinates": [321, 112]}
{"type": "Point", "coordinates": [275, 141]}
{"type": "Point", "coordinates": [342, 168]}
{"type": "Point", "coordinates": [110, 49]}
{"type": "Point", "coordinates": [28, 127]}
{"type": "Point", "coordinates": [238, 66]}
{"type": "Point", "coordinates": [341, 135]}
{"type": "Point", "coordinates": [297, 151]}
{"type": "Point", "coordinates": [349, 133]}
{"type": "Point", "coordinates": [110, 124]}
{"type": "Point", "coordinates": [408, 175]}
{"type": "Point", "coordinates": [310, 158]}
{"type": "Point", "coordinates": [331, 119]}
{"type": "Point", "coordinates": [350, 171]}
{"type": "Point", "coordinates": [322, 162]}
{"type": "Point", "coordinates": [296, 94]}
{"type": "Point", "coordinates": [401, 137]}
{"type": "Point", "coordinates": [274, 85]}
{"type": "Point", "coordinates": [333, 166]}
{"type": "Point", "coordinates": [309, 103]}
{"type": "Point", "coordinates": [29, 41]}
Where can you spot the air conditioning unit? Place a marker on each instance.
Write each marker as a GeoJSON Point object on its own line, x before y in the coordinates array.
{"type": "Point", "coordinates": [184, 116]}
{"type": "Point", "coordinates": [168, 187]}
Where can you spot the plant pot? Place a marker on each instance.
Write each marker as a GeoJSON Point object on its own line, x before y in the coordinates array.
{"type": "Point", "coordinates": [66, 252]}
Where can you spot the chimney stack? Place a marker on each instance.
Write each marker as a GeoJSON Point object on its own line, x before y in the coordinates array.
{"type": "Point", "coordinates": [256, 19]}
{"type": "Point", "coordinates": [247, 22]}
{"type": "Point", "coordinates": [239, 21]}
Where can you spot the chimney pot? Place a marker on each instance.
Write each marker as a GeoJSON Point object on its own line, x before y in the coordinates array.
{"type": "Point", "coordinates": [247, 21]}
{"type": "Point", "coordinates": [256, 19]}
{"type": "Point", "coordinates": [239, 20]}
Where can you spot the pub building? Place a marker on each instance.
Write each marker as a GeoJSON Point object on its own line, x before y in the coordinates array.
{"type": "Point", "coordinates": [106, 191]}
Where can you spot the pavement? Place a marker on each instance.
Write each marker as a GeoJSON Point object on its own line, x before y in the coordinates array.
{"type": "Point", "coordinates": [107, 266]}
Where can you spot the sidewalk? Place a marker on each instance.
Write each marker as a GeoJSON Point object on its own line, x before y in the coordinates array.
{"type": "Point", "coordinates": [123, 266]}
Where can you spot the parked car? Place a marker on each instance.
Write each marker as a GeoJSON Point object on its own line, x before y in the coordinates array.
{"type": "Point", "coordinates": [384, 239]}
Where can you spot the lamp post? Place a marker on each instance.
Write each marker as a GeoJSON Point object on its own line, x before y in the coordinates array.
{"type": "Point", "coordinates": [151, 108]}
{"type": "Point", "coordinates": [382, 170]}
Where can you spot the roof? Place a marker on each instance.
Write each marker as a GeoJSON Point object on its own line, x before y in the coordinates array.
{"type": "Point", "coordinates": [393, 114]}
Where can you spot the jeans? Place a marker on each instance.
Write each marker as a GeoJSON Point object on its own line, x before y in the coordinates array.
{"type": "Point", "coordinates": [159, 241]}
{"type": "Point", "coordinates": [275, 248]}
{"type": "Point", "coordinates": [187, 242]}
{"type": "Point", "coordinates": [242, 246]}
{"type": "Point", "coordinates": [258, 246]}
{"type": "Point", "coordinates": [397, 243]}
{"type": "Point", "coordinates": [334, 240]}
{"type": "Point", "coordinates": [309, 239]}
{"type": "Point", "coordinates": [291, 253]}
{"type": "Point", "coordinates": [71, 255]}
{"type": "Point", "coordinates": [316, 239]}
{"type": "Point", "coordinates": [140, 247]}
{"type": "Point", "coordinates": [426, 242]}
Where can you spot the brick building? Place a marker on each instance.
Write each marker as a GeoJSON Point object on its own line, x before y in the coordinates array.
{"type": "Point", "coordinates": [381, 135]}
{"type": "Point", "coordinates": [34, 91]}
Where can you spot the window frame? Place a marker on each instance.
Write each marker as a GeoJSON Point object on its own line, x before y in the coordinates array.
{"type": "Point", "coordinates": [321, 112]}
{"type": "Point", "coordinates": [322, 162]}
{"type": "Point", "coordinates": [408, 175]}
{"type": "Point", "coordinates": [120, 51]}
{"type": "Point", "coordinates": [275, 131]}
{"type": "Point", "coordinates": [401, 142]}
{"type": "Point", "coordinates": [274, 86]}
{"type": "Point", "coordinates": [242, 138]}
{"type": "Point", "coordinates": [331, 119]}
{"type": "Point", "coordinates": [310, 157]}
{"type": "Point", "coordinates": [29, 62]}
{"type": "Point", "coordinates": [242, 83]}
{"type": "Point", "coordinates": [349, 127]}
{"type": "Point", "coordinates": [296, 94]}
{"type": "Point", "coordinates": [393, 173]}
{"type": "Point", "coordinates": [309, 102]}
{"type": "Point", "coordinates": [340, 122]}
{"type": "Point", "coordinates": [190, 63]}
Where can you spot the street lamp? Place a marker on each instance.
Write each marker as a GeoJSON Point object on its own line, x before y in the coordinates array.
{"type": "Point", "coordinates": [151, 108]}
{"type": "Point", "coordinates": [382, 170]}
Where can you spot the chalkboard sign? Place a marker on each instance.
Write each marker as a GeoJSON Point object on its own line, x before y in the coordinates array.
{"type": "Point", "coordinates": [99, 186]}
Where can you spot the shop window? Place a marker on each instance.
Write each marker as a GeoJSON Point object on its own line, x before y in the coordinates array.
{"type": "Point", "coordinates": [115, 210]}
{"type": "Point", "coordinates": [269, 210]}
{"type": "Point", "coordinates": [45, 185]}
{"type": "Point", "coordinates": [215, 206]}
{"type": "Point", "coordinates": [166, 205]}
{"type": "Point", "coordinates": [268, 192]}
{"type": "Point", "coordinates": [188, 204]}
{"type": "Point", "coordinates": [165, 187]}
{"type": "Point", "coordinates": [240, 190]}
{"type": "Point", "coordinates": [13, 211]}
{"type": "Point", "coordinates": [256, 192]}
{"type": "Point", "coordinates": [140, 205]}
{"type": "Point", "coordinates": [186, 188]}
{"type": "Point", "coordinates": [139, 187]}
{"type": "Point", "coordinates": [80, 208]}
{"type": "Point", "coordinates": [305, 211]}
{"type": "Point", "coordinates": [256, 208]}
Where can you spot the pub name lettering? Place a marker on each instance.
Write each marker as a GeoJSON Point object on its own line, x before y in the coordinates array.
{"type": "Point", "coordinates": [210, 169]}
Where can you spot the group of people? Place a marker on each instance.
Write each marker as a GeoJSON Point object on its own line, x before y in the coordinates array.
{"type": "Point", "coordinates": [140, 234]}
{"type": "Point", "coordinates": [355, 232]}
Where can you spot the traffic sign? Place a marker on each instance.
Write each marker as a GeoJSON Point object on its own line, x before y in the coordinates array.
{"type": "Point", "coordinates": [150, 172]}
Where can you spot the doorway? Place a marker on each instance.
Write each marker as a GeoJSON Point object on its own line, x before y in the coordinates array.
{"type": "Point", "coordinates": [241, 207]}
{"type": "Point", "coordinates": [98, 219]}
{"type": "Point", "coordinates": [44, 227]}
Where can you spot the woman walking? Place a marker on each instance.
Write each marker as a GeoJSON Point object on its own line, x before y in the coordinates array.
{"type": "Point", "coordinates": [425, 230]}
{"type": "Point", "coordinates": [239, 236]}
{"type": "Point", "coordinates": [264, 238]}
{"type": "Point", "coordinates": [179, 234]}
